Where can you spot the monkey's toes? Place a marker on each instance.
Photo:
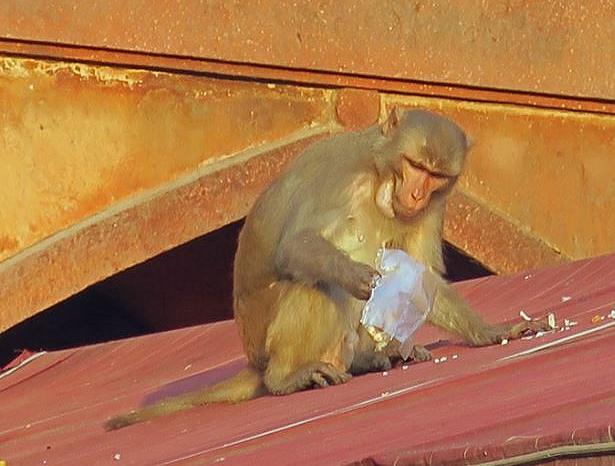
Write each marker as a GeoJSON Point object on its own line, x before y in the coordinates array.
{"type": "Point", "coordinates": [325, 374]}
{"type": "Point", "coordinates": [420, 354]}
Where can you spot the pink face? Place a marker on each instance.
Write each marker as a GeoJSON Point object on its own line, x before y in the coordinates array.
{"type": "Point", "coordinates": [413, 188]}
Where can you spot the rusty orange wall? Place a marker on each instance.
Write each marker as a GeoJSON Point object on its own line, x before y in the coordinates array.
{"type": "Point", "coordinates": [76, 139]}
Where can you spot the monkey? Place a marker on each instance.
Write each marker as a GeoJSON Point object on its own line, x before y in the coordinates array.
{"type": "Point", "coordinates": [305, 259]}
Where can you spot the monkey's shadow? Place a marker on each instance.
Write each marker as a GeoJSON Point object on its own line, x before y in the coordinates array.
{"type": "Point", "coordinates": [210, 377]}
{"type": "Point", "coordinates": [439, 344]}
{"type": "Point", "coordinates": [195, 382]}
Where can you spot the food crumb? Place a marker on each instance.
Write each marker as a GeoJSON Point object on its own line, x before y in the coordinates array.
{"type": "Point", "coordinates": [455, 356]}
{"type": "Point", "coordinates": [566, 298]}
{"type": "Point", "coordinates": [527, 277]}
{"type": "Point", "coordinates": [404, 367]}
{"type": "Point", "coordinates": [187, 367]}
{"type": "Point", "coordinates": [443, 359]}
{"type": "Point", "coordinates": [437, 360]}
{"type": "Point", "coordinates": [116, 457]}
{"type": "Point", "coordinates": [595, 319]}
{"type": "Point", "coordinates": [551, 320]}
{"type": "Point", "coordinates": [383, 394]}
{"type": "Point", "coordinates": [504, 341]}
{"type": "Point", "coordinates": [612, 314]}
{"type": "Point", "coordinates": [539, 334]}
{"type": "Point", "coordinates": [385, 373]}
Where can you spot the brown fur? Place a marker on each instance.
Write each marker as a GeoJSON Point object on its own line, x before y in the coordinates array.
{"type": "Point", "coordinates": [305, 255]}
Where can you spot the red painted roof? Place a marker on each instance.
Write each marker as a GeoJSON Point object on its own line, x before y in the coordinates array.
{"type": "Point", "coordinates": [479, 407]}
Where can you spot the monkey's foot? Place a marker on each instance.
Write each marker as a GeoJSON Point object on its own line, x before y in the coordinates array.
{"type": "Point", "coordinates": [315, 374]}
{"type": "Point", "coordinates": [420, 354]}
{"type": "Point", "coordinates": [370, 361]}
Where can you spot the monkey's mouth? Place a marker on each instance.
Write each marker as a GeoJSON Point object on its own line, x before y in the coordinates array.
{"type": "Point", "coordinates": [403, 213]}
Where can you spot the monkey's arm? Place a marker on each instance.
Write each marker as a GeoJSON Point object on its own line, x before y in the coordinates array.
{"type": "Point", "coordinates": [450, 312]}
{"type": "Point", "coordinates": [309, 257]}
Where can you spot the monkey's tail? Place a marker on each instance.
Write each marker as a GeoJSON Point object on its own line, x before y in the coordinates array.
{"type": "Point", "coordinates": [245, 385]}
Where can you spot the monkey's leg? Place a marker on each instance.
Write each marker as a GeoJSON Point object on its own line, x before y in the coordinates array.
{"type": "Point", "coordinates": [310, 258]}
{"type": "Point", "coordinates": [420, 354]}
{"type": "Point", "coordinates": [309, 343]}
{"type": "Point", "coordinates": [366, 358]}
{"type": "Point", "coordinates": [450, 312]}
{"type": "Point", "coordinates": [370, 361]}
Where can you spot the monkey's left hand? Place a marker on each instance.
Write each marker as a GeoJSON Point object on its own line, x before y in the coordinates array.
{"type": "Point", "coordinates": [495, 334]}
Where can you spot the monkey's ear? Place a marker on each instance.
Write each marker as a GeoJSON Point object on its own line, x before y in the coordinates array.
{"type": "Point", "coordinates": [392, 121]}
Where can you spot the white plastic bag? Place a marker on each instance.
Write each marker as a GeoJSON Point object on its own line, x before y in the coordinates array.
{"type": "Point", "coordinates": [401, 300]}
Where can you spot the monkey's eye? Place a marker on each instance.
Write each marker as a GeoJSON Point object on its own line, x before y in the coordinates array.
{"type": "Point", "coordinates": [410, 160]}
{"type": "Point", "coordinates": [440, 181]}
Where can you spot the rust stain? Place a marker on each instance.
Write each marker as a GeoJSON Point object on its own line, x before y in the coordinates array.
{"type": "Point", "coordinates": [8, 243]}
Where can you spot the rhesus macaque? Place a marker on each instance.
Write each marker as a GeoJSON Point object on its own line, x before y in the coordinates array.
{"type": "Point", "coordinates": [306, 255]}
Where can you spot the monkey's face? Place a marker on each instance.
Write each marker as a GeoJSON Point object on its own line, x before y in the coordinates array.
{"type": "Point", "coordinates": [409, 189]}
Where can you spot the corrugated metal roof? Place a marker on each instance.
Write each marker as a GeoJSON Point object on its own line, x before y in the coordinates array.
{"type": "Point", "coordinates": [485, 405]}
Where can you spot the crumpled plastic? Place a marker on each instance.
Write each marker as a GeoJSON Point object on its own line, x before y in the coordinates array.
{"type": "Point", "coordinates": [400, 302]}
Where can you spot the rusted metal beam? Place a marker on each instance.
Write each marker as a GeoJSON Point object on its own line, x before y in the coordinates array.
{"type": "Point", "coordinates": [494, 240]}
{"type": "Point", "coordinates": [272, 74]}
{"type": "Point", "coordinates": [552, 47]}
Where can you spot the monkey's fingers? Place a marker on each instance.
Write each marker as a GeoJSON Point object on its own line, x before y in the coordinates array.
{"type": "Point", "coordinates": [361, 280]}
{"type": "Point", "coordinates": [532, 326]}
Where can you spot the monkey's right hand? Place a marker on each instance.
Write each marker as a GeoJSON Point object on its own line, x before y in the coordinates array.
{"type": "Point", "coordinates": [359, 280]}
